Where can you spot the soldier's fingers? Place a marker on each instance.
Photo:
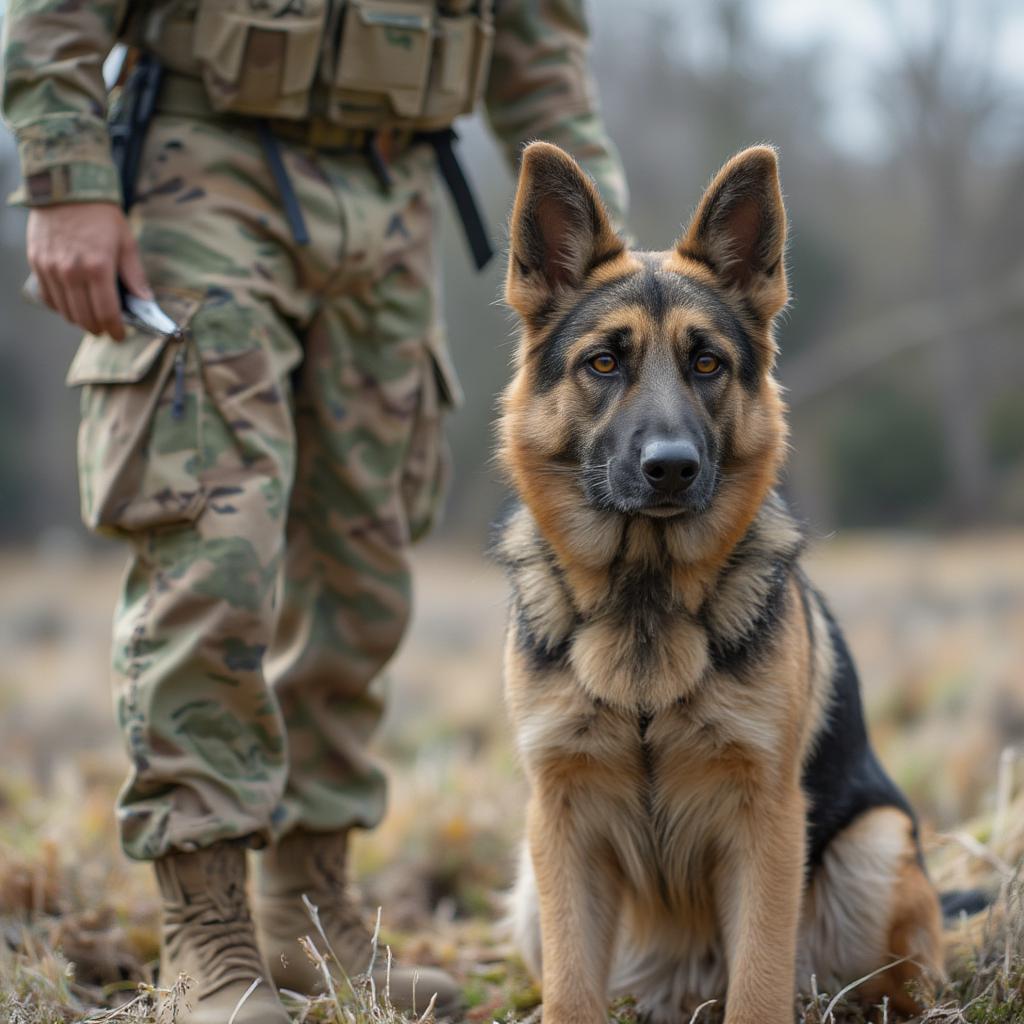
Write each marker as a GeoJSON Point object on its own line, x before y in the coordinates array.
{"type": "Point", "coordinates": [46, 291]}
{"type": "Point", "coordinates": [82, 314]}
{"type": "Point", "coordinates": [59, 297]}
{"type": "Point", "coordinates": [48, 281]}
{"type": "Point", "coordinates": [106, 305]}
{"type": "Point", "coordinates": [129, 266]}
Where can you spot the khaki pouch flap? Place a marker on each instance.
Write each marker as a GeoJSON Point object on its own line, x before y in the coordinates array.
{"type": "Point", "coordinates": [385, 50]}
{"type": "Point", "coordinates": [101, 360]}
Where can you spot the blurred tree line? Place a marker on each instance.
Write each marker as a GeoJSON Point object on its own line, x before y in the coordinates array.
{"type": "Point", "coordinates": [901, 351]}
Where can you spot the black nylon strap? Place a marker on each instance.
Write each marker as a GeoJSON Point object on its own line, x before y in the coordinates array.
{"type": "Point", "coordinates": [131, 122]}
{"type": "Point", "coordinates": [378, 165]}
{"type": "Point", "coordinates": [289, 200]}
{"type": "Point", "coordinates": [461, 193]}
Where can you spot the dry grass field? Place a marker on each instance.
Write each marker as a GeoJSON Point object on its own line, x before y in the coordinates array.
{"type": "Point", "coordinates": [936, 625]}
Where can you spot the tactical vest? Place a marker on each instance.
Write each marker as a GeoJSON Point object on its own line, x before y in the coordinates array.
{"type": "Point", "coordinates": [361, 64]}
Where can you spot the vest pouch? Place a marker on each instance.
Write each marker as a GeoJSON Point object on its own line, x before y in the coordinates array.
{"type": "Point", "coordinates": [260, 61]}
{"type": "Point", "coordinates": [458, 70]}
{"type": "Point", "coordinates": [384, 61]}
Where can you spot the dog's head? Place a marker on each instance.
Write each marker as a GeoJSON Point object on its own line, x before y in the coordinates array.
{"type": "Point", "coordinates": [643, 384]}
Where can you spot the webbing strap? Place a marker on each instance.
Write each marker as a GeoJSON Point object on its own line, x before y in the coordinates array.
{"type": "Point", "coordinates": [289, 200]}
{"type": "Point", "coordinates": [462, 195]}
{"type": "Point", "coordinates": [129, 126]}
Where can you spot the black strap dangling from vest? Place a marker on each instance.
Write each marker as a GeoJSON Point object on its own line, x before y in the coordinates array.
{"type": "Point", "coordinates": [462, 195]}
{"type": "Point", "coordinates": [285, 188]}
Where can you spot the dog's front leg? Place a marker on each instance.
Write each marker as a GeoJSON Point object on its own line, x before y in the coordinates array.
{"type": "Point", "coordinates": [761, 892]}
{"type": "Point", "coordinates": [578, 892]}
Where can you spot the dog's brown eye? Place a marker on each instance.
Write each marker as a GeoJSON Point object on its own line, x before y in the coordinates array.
{"type": "Point", "coordinates": [706, 363]}
{"type": "Point", "coordinates": [604, 363]}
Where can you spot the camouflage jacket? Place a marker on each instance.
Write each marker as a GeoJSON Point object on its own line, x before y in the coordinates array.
{"type": "Point", "coordinates": [54, 97]}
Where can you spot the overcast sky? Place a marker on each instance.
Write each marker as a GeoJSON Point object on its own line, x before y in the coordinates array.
{"type": "Point", "coordinates": [858, 40]}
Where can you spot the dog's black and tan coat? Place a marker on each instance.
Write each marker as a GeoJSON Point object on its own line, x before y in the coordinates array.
{"type": "Point", "coordinates": [706, 816]}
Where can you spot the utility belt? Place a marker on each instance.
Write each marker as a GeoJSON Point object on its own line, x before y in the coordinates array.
{"type": "Point", "coordinates": [186, 96]}
{"type": "Point", "coordinates": [368, 76]}
{"type": "Point", "coordinates": [151, 88]}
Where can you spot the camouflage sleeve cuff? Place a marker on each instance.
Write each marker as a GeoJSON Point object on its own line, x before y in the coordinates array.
{"type": "Point", "coordinates": [69, 183]}
{"type": "Point", "coordinates": [66, 159]}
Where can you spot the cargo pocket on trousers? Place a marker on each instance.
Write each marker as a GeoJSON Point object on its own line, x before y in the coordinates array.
{"type": "Point", "coordinates": [138, 441]}
{"type": "Point", "coordinates": [427, 468]}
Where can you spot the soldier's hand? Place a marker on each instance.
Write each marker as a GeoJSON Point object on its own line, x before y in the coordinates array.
{"type": "Point", "coordinates": [77, 251]}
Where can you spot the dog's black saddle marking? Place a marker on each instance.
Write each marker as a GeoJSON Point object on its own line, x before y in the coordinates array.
{"type": "Point", "coordinates": [843, 779]}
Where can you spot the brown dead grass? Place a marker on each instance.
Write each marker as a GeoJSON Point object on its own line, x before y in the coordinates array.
{"type": "Point", "coordinates": [938, 630]}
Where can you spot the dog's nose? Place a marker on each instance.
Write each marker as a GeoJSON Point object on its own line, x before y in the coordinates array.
{"type": "Point", "coordinates": [670, 465]}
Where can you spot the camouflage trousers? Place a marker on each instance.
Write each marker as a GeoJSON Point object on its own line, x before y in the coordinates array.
{"type": "Point", "coordinates": [270, 470]}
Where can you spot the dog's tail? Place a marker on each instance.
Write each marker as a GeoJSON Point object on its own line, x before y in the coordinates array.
{"type": "Point", "coordinates": [979, 925]}
{"type": "Point", "coordinates": [969, 917]}
{"type": "Point", "coordinates": [959, 903]}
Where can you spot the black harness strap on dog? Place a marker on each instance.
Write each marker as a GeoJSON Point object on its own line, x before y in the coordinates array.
{"type": "Point", "coordinates": [289, 200]}
{"type": "Point", "coordinates": [461, 193]}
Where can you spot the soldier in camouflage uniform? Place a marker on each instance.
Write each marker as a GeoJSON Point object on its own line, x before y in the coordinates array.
{"type": "Point", "coordinates": [270, 465]}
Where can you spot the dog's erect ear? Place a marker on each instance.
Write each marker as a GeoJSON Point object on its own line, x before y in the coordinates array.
{"type": "Point", "coordinates": [739, 230]}
{"type": "Point", "coordinates": [559, 230]}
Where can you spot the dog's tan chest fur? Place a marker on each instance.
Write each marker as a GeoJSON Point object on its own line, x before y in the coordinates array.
{"type": "Point", "coordinates": [660, 790]}
{"type": "Point", "coordinates": [557, 720]}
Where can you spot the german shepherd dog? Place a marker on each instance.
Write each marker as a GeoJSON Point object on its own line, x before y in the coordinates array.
{"type": "Point", "coordinates": [706, 816]}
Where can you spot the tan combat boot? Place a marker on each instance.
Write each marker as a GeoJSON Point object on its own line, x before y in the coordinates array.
{"type": "Point", "coordinates": [207, 933]}
{"type": "Point", "coordinates": [314, 865]}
